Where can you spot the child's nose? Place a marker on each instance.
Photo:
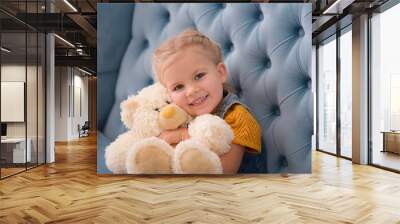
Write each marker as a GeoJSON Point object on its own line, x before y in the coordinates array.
{"type": "Point", "coordinates": [191, 90]}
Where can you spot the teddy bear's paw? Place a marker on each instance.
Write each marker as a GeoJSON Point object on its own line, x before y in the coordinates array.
{"type": "Point", "coordinates": [150, 156]}
{"type": "Point", "coordinates": [192, 157]}
{"type": "Point", "coordinates": [212, 131]}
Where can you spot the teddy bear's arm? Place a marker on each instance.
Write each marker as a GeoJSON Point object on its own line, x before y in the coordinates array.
{"type": "Point", "coordinates": [212, 131]}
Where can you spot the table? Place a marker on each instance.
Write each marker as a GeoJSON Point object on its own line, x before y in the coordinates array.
{"type": "Point", "coordinates": [391, 141]}
{"type": "Point", "coordinates": [17, 150]}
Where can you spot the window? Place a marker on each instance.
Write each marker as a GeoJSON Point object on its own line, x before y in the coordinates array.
{"type": "Point", "coordinates": [394, 102]}
{"type": "Point", "coordinates": [385, 87]}
{"type": "Point", "coordinates": [327, 96]}
{"type": "Point", "coordinates": [346, 93]}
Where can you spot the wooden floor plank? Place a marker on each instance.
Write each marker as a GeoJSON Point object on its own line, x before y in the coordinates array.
{"type": "Point", "coordinates": [70, 191]}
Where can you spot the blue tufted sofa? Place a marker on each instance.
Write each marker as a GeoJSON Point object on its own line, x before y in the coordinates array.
{"type": "Point", "coordinates": [267, 48]}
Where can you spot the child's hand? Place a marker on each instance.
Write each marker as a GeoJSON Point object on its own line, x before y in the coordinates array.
{"type": "Point", "coordinates": [175, 136]}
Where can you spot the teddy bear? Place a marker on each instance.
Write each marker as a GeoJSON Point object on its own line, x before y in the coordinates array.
{"type": "Point", "coordinates": [140, 151]}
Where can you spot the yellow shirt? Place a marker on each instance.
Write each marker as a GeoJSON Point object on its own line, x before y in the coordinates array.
{"type": "Point", "coordinates": [245, 127]}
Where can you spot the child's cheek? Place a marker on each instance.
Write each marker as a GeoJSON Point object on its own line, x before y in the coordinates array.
{"type": "Point", "coordinates": [181, 101]}
{"type": "Point", "coordinates": [176, 98]}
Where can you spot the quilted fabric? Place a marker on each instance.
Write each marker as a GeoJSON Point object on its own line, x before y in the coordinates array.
{"type": "Point", "coordinates": [266, 47]}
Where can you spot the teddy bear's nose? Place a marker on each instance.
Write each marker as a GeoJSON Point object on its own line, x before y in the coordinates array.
{"type": "Point", "coordinates": [168, 112]}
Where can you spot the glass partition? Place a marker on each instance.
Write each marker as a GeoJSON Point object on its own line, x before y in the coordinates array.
{"type": "Point", "coordinates": [327, 96]}
{"type": "Point", "coordinates": [346, 93]}
{"type": "Point", "coordinates": [13, 109]}
{"type": "Point", "coordinates": [22, 90]}
{"type": "Point", "coordinates": [385, 89]}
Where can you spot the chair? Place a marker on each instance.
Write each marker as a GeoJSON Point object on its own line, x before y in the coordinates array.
{"type": "Point", "coordinates": [267, 49]}
{"type": "Point", "coordinates": [84, 130]}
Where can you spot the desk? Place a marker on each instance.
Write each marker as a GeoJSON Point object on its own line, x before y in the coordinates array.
{"type": "Point", "coordinates": [17, 150]}
{"type": "Point", "coordinates": [391, 141]}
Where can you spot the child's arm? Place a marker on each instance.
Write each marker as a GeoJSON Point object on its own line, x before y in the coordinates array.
{"type": "Point", "coordinates": [231, 160]}
{"type": "Point", "coordinates": [174, 136]}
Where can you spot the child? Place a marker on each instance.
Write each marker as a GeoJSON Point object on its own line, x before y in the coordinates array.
{"type": "Point", "coordinates": [190, 66]}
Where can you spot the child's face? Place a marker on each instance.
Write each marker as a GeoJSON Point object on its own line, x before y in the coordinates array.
{"type": "Point", "coordinates": [193, 81]}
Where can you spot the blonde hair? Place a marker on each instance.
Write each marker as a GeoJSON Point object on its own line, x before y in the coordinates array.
{"type": "Point", "coordinates": [187, 38]}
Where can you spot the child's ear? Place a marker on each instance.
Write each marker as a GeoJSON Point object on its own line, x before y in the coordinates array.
{"type": "Point", "coordinates": [221, 68]}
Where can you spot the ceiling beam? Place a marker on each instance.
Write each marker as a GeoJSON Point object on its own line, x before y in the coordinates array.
{"type": "Point", "coordinates": [86, 26]}
{"type": "Point", "coordinates": [84, 61]}
{"type": "Point", "coordinates": [337, 6]}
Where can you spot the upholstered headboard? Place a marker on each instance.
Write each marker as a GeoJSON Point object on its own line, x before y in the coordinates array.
{"type": "Point", "coordinates": [267, 49]}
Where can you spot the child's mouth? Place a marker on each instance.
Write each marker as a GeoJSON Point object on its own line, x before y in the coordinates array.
{"type": "Point", "coordinates": [198, 101]}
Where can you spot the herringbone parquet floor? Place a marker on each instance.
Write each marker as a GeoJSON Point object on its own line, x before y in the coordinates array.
{"type": "Point", "coordinates": [70, 191]}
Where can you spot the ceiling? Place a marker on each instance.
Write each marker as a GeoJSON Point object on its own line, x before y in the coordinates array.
{"type": "Point", "coordinates": [329, 16]}
{"type": "Point", "coordinates": [76, 22]}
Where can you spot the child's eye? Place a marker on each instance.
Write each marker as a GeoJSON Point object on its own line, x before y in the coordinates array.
{"type": "Point", "coordinates": [177, 87]}
{"type": "Point", "coordinates": [168, 102]}
{"type": "Point", "coordinates": [199, 76]}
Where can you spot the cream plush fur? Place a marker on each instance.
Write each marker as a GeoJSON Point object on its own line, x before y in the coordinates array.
{"type": "Point", "coordinates": [139, 151]}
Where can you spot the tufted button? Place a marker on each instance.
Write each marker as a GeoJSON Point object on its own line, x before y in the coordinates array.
{"type": "Point", "coordinates": [276, 111]}
{"type": "Point", "coordinates": [238, 92]}
{"type": "Point", "coordinates": [300, 32]}
{"type": "Point", "coordinates": [308, 82]}
{"type": "Point", "coordinates": [229, 47]}
{"type": "Point", "coordinates": [260, 16]}
{"type": "Point", "coordinates": [145, 44]}
{"type": "Point", "coordinates": [267, 63]}
{"type": "Point", "coordinates": [150, 81]}
{"type": "Point", "coordinates": [283, 161]}
{"type": "Point", "coordinates": [167, 17]}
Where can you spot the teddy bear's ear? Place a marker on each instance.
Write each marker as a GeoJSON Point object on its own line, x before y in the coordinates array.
{"type": "Point", "coordinates": [128, 109]}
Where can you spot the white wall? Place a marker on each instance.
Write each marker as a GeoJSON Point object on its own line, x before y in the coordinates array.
{"type": "Point", "coordinates": [80, 110]}
{"type": "Point", "coordinates": [33, 127]}
{"type": "Point", "coordinates": [12, 101]}
{"type": "Point", "coordinates": [71, 94]}
{"type": "Point", "coordinates": [61, 103]}
{"type": "Point", "coordinates": [12, 73]}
